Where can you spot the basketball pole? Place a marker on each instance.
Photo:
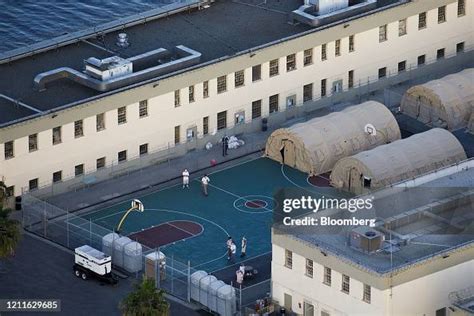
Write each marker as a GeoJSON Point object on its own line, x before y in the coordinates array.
{"type": "Point", "coordinates": [123, 219]}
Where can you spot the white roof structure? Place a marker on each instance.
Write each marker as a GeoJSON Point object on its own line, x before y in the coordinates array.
{"type": "Point", "coordinates": [447, 102]}
{"type": "Point", "coordinates": [401, 160]}
{"type": "Point", "coordinates": [316, 145]}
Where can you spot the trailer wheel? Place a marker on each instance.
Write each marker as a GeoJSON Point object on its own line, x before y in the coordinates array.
{"type": "Point", "coordinates": [77, 273]}
{"type": "Point", "coordinates": [84, 276]}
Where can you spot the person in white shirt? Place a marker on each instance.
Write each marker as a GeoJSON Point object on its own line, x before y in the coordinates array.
{"type": "Point", "coordinates": [205, 182]}
{"type": "Point", "coordinates": [185, 178]}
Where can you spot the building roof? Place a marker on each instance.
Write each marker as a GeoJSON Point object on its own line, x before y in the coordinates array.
{"type": "Point", "coordinates": [221, 31]}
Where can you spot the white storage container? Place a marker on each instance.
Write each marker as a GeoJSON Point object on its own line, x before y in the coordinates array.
{"type": "Point", "coordinates": [132, 258]}
{"type": "Point", "coordinates": [204, 288]}
{"type": "Point", "coordinates": [195, 279]}
{"type": "Point", "coordinates": [119, 244]}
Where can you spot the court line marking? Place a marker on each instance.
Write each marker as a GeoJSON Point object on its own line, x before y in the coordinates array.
{"type": "Point", "coordinates": [318, 176]}
{"type": "Point", "coordinates": [301, 187]}
{"type": "Point", "coordinates": [184, 230]}
{"type": "Point", "coordinates": [245, 260]}
{"type": "Point", "coordinates": [255, 212]}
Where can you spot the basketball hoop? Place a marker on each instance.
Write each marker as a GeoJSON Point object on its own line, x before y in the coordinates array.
{"type": "Point", "coordinates": [370, 129]}
{"type": "Point", "coordinates": [138, 205]}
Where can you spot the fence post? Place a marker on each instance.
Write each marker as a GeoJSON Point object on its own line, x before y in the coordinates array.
{"type": "Point", "coordinates": [90, 231]}
{"type": "Point", "coordinates": [157, 272]}
{"type": "Point", "coordinates": [189, 281]}
{"type": "Point", "coordinates": [240, 299]}
{"type": "Point", "coordinates": [67, 227]}
{"type": "Point", "coordinates": [172, 273]}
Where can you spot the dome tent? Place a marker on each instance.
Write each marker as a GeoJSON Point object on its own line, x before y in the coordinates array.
{"type": "Point", "coordinates": [400, 160]}
{"type": "Point", "coordinates": [316, 145]}
{"type": "Point", "coordinates": [446, 102]}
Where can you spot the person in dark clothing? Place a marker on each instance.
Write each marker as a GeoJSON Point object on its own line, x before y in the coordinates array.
{"type": "Point", "coordinates": [225, 145]}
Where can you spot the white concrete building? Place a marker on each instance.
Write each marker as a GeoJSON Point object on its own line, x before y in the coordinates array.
{"type": "Point", "coordinates": [57, 122]}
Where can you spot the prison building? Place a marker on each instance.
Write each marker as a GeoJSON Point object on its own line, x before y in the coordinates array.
{"type": "Point", "coordinates": [398, 161]}
{"type": "Point", "coordinates": [315, 146]}
{"type": "Point", "coordinates": [447, 102]}
{"type": "Point", "coordinates": [110, 99]}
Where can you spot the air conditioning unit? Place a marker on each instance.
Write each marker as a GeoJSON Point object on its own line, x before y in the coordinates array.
{"type": "Point", "coordinates": [366, 239]}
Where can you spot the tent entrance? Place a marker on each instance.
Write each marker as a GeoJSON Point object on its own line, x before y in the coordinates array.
{"type": "Point", "coordinates": [287, 151]}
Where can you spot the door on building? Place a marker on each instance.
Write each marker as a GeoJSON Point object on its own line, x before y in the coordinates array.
{"type": "Point", "coordinates": [288, 302]}
{"type": "Point", "coordinates": [308, 309]}
{"type": "Point", "coordinates": [191, 137]}
{"type": "Point", "coordinates": [288, 153]}
{"type": "Point", "coordinates": [337, 86]}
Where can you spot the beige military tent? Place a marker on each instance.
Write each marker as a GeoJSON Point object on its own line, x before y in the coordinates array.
{"type": "Point", "coordinates": [471, 123]}
{"type": "Point", "coordinates": [400, 160]}
{"type": "Point", "coordinates": [316, 145]}
{"type": "Point", "coordinates": [446, 102]}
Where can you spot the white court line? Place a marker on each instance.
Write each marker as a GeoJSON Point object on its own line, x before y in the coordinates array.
{"type": "Point", "coordinates": [301, 187]}
{"type": "Point", "coordinates": [183, 230]}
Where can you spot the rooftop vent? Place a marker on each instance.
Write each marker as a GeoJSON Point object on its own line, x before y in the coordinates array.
{"type": "Point", "coordinates": [366, 239]}
{"type": "Point", "coordinates": [122, 40]}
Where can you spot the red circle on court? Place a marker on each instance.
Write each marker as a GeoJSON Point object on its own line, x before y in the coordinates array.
{"type": "Point", "coordinates": [255, 204]}
{"type": "Point", "coordinates": [321, 180]}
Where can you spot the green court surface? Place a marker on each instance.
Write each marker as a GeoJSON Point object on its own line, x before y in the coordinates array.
{"type": "Point", "coordinates": [240, 203]}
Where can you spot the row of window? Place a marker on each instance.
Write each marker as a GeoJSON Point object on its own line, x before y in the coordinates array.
{"type": "Point", "coordinates": [327, 276]}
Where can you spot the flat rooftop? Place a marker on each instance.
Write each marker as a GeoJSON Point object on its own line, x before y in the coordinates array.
{"type": "Point", "coordinates": [411, 214]}
{"type": "Point", "coordinates": [223, 30]}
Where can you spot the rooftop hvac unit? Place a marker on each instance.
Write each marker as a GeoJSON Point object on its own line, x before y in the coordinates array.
{"type": "Point", "coordinates": [122, 40]}
{"type": "Point", "coordinates": [328, 6]}
{"type": "Point", "coordinates": [366, 239]}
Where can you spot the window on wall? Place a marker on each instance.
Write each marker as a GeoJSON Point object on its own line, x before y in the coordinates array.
{"type": "Point", "coordinates": [327, 276]}
{"type": "Point", "coordinates": [324, 53]}
{"type": "Point", "coordinates": [291, 62]}
{"type": "Point", "coordinates": [205, 89]}
{"type": "Point", "coordinates": [421, 60]}
{"type": "Point", "coordinates": [460, 47]}
{"type": "Point", "coordinates": [382, 72]}
{"type": "Point", "coordinates": [33, 184]}
{"type": "Point", "coordinates": [308, 92]}
{"type": "Point", "coordinates": [122, 115]}
{"type": "Point", "coordinates": [461, 7]}
{"type": "Point", "coordinates": [57, 176]}
{"type": "Point", "coordinates": [345, 286]}
{"type": "Point", "coordinates": [256, 109]}
{"type": "Point", "coordinates": [177, 98]}
{"type": "Point", "coordinates": [100, 122]}
{"type": "Point", "coordinates": [8, 148]}
{"type": "Point", "coordinates": [323, 88]}
{"type": "Point", "coordinates": [122, 156]}
{"type": "Point", "coordinates": [442, 14]}
{"type": "Point", "coordinates": [308, 57]}
{"type": "Point", "coordinates": [57, 135]}
{"type": "Point", "coordinates": [309, 268]}
{"type": "Point", "coordinates": [422, 20]}
{"type": "Point", "coordinates": [78, 128]}
{"type": "Point", "coordinates": [79, 170]}
{"type": "Point", "coordinates": [205, 125]}
{"type": "Point", "coordinates": [273, 103]}
{"type": "Point", "coordinates": [221, 120]}
{"type": "Point", "coordinates": [382, 33]}
{"type": "Point", "coordinates": [338, 48]}
{"type": "Point", "coordinates": [440, 53]}
{"type": "Point", "coordinates": [402, 27]}
{"type": "Point", "coordinates": [177, 134]}
{"type": "Point", "coordinates": [10, 191]}
{"type": "Point", "coordinates": [367, 296]}
{"type": "Point", "coordinates": [222, 84]}
{"type": "Point", "coordinates": [351, 43]}
{"type": "Point", "coordinates": [191, 94]}
{"type": "Point", "coordinates": [143, 109]}
{"type": "Point", "coordinates": [274, 67]}
{"type": "Point", "coordinates": [239, 79]}
{"type": "Point", "coordinates": [288, 259]}
{"type": "Point", "coordinates": [33, 143]}
{"type": "Point", "coordinates": [350, 79]}
{"type": "Point", "coordinates": [402, 66]}
{"type": "Point", "coordinates": [143, 149]}
{"type": "Point", "coordinates": [100, 163]}
{"type": "Point", "coordinates": [256, 72]}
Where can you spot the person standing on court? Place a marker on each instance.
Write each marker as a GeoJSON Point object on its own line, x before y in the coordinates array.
{"type": "Point", "coordinates": [205, 182]}
{"type": "Point", "coordinates": [244, 247]}
{"type": "Point", "coordinates": [185, 178]}
{"type": "Point", "coordinates": [225, 145]}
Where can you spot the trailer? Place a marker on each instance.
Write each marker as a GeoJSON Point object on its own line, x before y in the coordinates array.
{"type": "Point", "coordinates": [90, 262]}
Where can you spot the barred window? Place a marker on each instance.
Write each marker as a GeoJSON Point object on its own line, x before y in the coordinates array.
{"type": "Point", "coordinates": [10, 191]}
{"type": "Point", "coordinates": [291, 62]}
{"type": "Point", "coordinates": [143, 108]}
{"type": "Point", "coordinates": [461, 7]}
{"type": "Point", "coordinates": [327, 276]}
{"type": "Point", "coordinates": [79, 170]}
{"type": "Point", "coordinates": [100, 163]}
{"type": "Point", "coordinates": [422, 20]}
{"type": "Point", "coordinates": [191, 94]}
{"type": "Point", "coordinates": [205, 89]}
{"type": "Point", "coordinates": [274, 67]}
{"type": "Point", "coordinates": [460, 47]}
{"type": "Point", "coordinates": [440, 53]}
{"type": "Point", "coordinates": [78, 128]}
{"type": "Point", "coordinates": [222, 84]}
{"type": "Point", "coordinates": [205, 125]}
{"type": "Point", "coordinates": [351, 43]}
{"type": "Point", "coordinates": [33, 142]}
{"type": "Point", "coordinates": [256, 72]}
{"type": "Point", "coordinates": [177, 134]}
{"type": "Point", "coordinates": [239, 79]}
{"type": "Point", "coordinates": [222, 120]}
{"type": "Point", "coordinates": [273, 103]}
{"type": "Point", "coordinates": [382, 72]}
{"type": "Point", "coordinates": [143, 149]}
{"type": "Point", "coordinates": [350, 79]}
{"type": "Point", "coordinates": [402, 27]}
{"type": "Point", "coordinates": [308, 57]}
{"type": "Point", "coordinates": [33, 184]}
{"type": "Point", "coordinates": [8, 148]}
{"type": "Point", "coordinates": [256, 109]}
{"type": "Point", "coordinates": [100, 122]}
{"type": "Point", "coordinates": [442, 14]}
{"type": "Point", "coordinates": [57, 176]}
{"type": "Point", "coordinates": [338, 48]}
{"type": "Point", "coordinates": [57, 135]}
{"type": "Point", "coordinates": [177, 98]}
{"type": "Point", "coordinates": [323, 87]}
{"type": "Point", "coordinates": [421, 60]}
{"type": "Point", "coordinates": [324, 55]}
{"type": "Point", "coordinates": [288, 259]}
{"type": "Point", "coordinates": [309, 268]}
{"type": "Point", "coordinates": [402, 66]}
{"type": "Point", "coordinates": [367, 293]}
{"type": "Point", "coordinates": [345, 286]}
{"type": "Point", "coordinates": [382, 33]}
{"type": "Point", "coordinates": [122, 156]}
{"type": "Point", "coordinates": [308, 92]}
{"type": "Point", "coordinates": [122, 115]}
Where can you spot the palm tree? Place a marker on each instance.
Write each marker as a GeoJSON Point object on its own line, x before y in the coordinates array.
{"type": "Point", "coordinates": [9, 233]}
{"type": "Point", "coordinates": [145, 300]}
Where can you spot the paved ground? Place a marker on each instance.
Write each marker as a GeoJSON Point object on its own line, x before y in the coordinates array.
{"type": "Point", "coordinates": [39, 270]}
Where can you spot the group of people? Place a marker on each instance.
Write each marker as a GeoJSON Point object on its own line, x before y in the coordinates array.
{"type": "Point", "coordinates": [204, 181]}
{"type": "Point", "coordinates": [232, 248]}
